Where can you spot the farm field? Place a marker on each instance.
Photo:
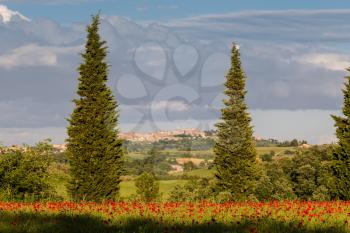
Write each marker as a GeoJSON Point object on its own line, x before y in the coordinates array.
{"type": "Point", "coordinates": [272, 217]}
{"type": "Point", "coordinates": [127, 189]}
{"type": "Point", "coordinates": [202, 173]}
{"type": "Point", "coordinates": [209, 153]}
{"type": "Point", "coordinates": [276, 149]}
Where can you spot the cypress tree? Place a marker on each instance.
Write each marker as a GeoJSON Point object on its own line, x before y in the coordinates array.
{"type": "Point", "coordinates": [235, 154]}
{"type": "Point", "coordinates": [93, 147]}
{"type": "Point", "coordinates": [341, 154]}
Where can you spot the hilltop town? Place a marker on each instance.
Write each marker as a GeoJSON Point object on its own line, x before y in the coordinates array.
{"type": "Point", "coordinates": [172, 135]}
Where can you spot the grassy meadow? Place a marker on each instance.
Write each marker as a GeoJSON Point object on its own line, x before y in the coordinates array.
{"type": "Point", "coordinates": [130, 217]}
{"type": "Point", "coordinates": [134, 216]}
{"type": "Point", "coordinates": [127, 187]}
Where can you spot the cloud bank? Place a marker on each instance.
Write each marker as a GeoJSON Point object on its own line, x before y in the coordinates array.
{"type": "Point", "coordinates": [294, 61]}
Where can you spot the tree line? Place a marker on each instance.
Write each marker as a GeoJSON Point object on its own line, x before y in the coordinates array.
{"type": "Point", "coordinates": [96, 155]}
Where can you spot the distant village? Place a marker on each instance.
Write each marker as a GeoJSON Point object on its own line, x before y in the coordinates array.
{"type": "Point", "coordinates": [172, 135]}
{"type": "Point", "coordinates": [150, 137]}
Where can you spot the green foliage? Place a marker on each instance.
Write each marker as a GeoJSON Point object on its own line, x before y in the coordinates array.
{"type": "Point", "coordinates": [269, 187]}
{"type": "Point", "coordinates": [187, 143]}
{"type": "Point", "coordinates": [273, 142]}
{"type": "Point", "coordinates": [307, 176]}
{"type": "Point", "coordinates": [189, 166]}
{"type": "Point", "coordinates": [266, 157]}
{"type": "Point", "coordinates": [294, 142]}
{"type": "Point", "coordinates": [274, 185]}
{"type": "Point", "coordinates": [341, 155]}
{"type": "Point", "coordinates": [236, 157]}
{"type": "Point", "coordinates": [24, 173]}
{"type": "Point", "coordinates": [200, 189]}
{"type": "Point", "coordinates": [94, 151]}
{"type": "Point", "coordinates": [153, 162]}
{"type": "Point", "coordinates": [147, 187]}
{"type": "Point", "coordinates": [196, 190]}
{"type": "Point", "coordinates": [283, 217]}
{"type": "Point", "coordinates": [311, 170]}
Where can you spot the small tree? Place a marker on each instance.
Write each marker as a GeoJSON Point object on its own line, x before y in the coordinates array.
{"type": "Point", "coordinates": [24, 174]}
{"type": "Point", "coordinates": [294, 143]}
{"type": "Point", "coordinates": [147, 187]}
{"type": "Point", "coordinates": [94, 150]}
{"type": "Point", "coordinates": [341, 155]}
{"type": "Point", "coordinates": [235, 156]}
{"type": "Point", "coordinates": [189, 166]}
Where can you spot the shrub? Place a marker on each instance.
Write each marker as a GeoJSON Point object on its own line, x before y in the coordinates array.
{"type": "Point", "coordinates": [146, 187]}
{"type": "Point", "coordinates": [195, 190]}
{"type": "Point", "coordinates": [189, 166]}
{"type": "Point", "coordinates": [24, 173]}
{"type": "Point", "coordinates": [280, 189]}
{"type": "Point", "coordinates": [266, 157]}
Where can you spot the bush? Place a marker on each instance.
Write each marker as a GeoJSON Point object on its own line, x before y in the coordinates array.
{"type": "Point", "coordinates": [223, 197]}
{"type": "Point", "coordinates": [306, 176]}
{"type": "Point", "coordinates": [194, 190]}
{"type": "Point", "coordinates": [24, 173]}
{"type": "Point", "coordinates": [266, 157]}
{"type": "Point", "coordinates": [289, 152]}
{"type": "Point", "coordinates": [189, 166]}
{"type": "Point", "coordinates": [146, 187]}
{"type": "Point", "coordinates": [279, 189]}
{"type": "Point", "coordinates": [311, 173]}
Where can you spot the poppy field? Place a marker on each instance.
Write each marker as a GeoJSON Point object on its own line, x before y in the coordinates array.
{"type": "Point", "coordinates": [118, 217]}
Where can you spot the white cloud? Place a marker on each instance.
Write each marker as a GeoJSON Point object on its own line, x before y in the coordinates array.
{"type": "Point", "coordinates": [33, 55]}
{"type": "Point", "coordinates": [170, 105]}
{"type": "Point", "coordinates": [11, 136]}
{"type": "Point", "coordinates": [331, 61]}
{"type": "Point", "coordinates": [6, 14]}
{"type": "Point", "coordinates": [271, 44]}
{"type": "Point", "coordinates": [280, 89]}
{"type": "Point", "coordinates": [215, 18]}
{"type": "Point", "coordinates": [277, 25]}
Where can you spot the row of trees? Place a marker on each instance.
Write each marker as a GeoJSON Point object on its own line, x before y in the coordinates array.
{"type": "Point", "coordinates": [237, 167]}
{"type": "Point", "coordinates": [96, 155]}
{"type": "Point", "coordinates": [95, 152]}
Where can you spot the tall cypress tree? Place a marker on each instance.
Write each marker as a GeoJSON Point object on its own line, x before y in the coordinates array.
{"type": "Point", "coordinates": [341, 154]}
{"type": "Point", "coordinates": [93, 147]}
{"type": "Point", "coordinates": [235, 153]}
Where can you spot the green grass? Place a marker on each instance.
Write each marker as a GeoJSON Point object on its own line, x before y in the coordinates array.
{"type": "Point", "coordinates": [202, 173]}
{"type": "Point", "coordinates": [135, 155]}
{"type": "Point", "coordinates": [58, 179]}
{"type": "Point", "coordinates": [128, 217]}
{"type": "Point", "coordinates": [208, 154]}
{"type": "Point", "coordinates": [127, 188]}
{"type": "Point", "coordinates": [205, 154]}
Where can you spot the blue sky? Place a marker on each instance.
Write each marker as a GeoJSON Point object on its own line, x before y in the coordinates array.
{"type": "Point", "coordinates": [168, 62]}
{"type": "Point", "coordinates": [80, 10]}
